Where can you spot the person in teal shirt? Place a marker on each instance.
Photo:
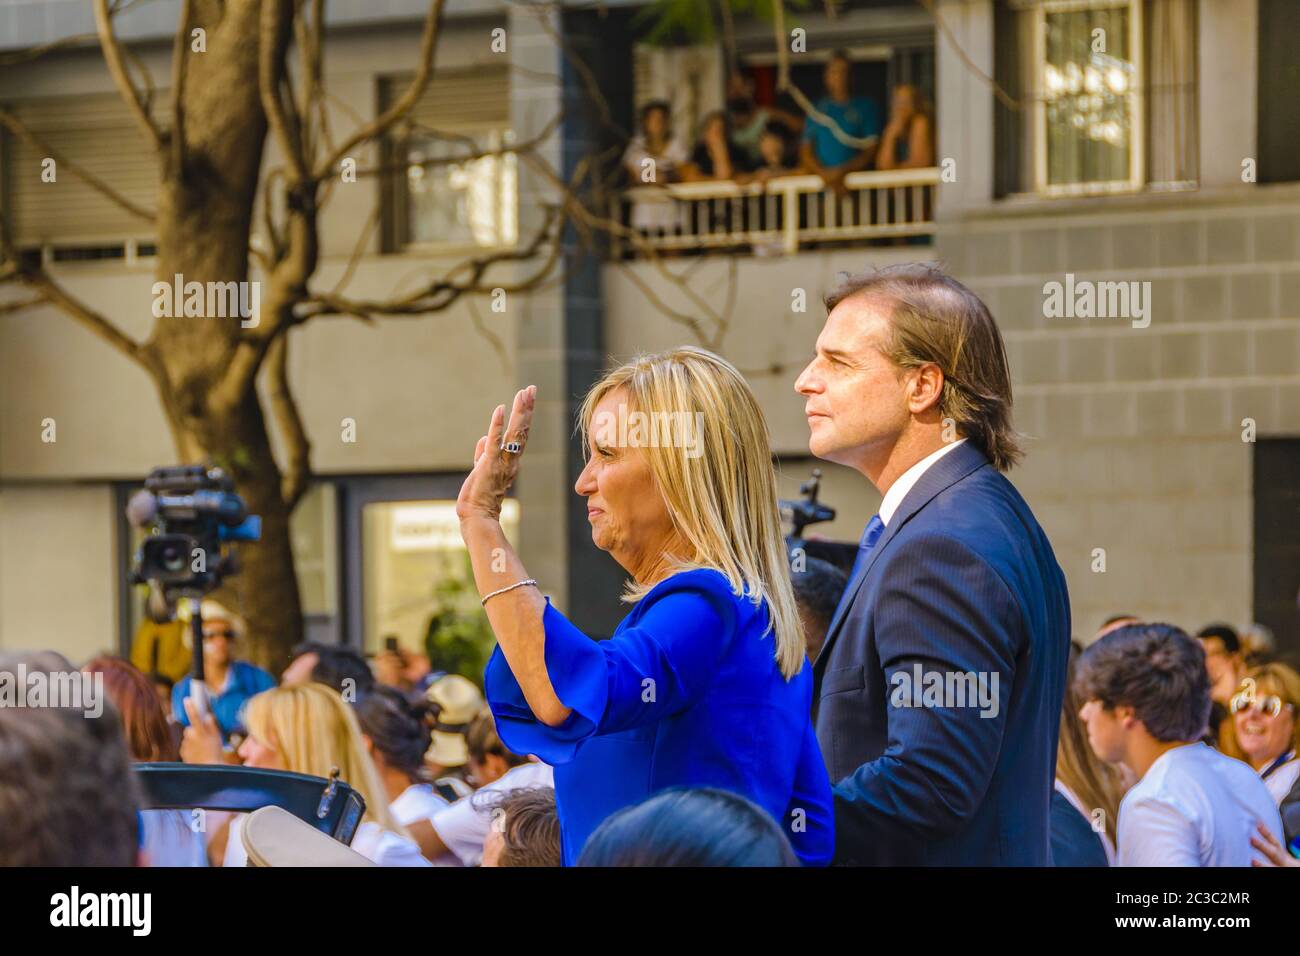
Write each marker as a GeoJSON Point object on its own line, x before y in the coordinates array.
{"type": "Point", "coordinates": [858, 116]}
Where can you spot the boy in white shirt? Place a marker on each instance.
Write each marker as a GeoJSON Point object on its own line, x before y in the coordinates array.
{"type": "Point", "coordinates": [1148, 702]}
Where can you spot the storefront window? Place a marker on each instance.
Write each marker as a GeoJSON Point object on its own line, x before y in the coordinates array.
{"type": "Point", "coordinates": [418, 584]}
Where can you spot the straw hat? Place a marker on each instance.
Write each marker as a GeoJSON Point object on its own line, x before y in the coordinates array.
{"type": "Point", "coordinates": [211, 610]}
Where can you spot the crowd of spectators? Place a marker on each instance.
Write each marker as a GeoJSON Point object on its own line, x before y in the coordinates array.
{"type": "Point", "coordinates": [747, 142]}
{"type": "Point", "coordinates": [1173, 750]}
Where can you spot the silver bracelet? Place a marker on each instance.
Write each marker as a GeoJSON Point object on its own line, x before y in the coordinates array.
{"type": "Point", "coordinates": [510, 587]}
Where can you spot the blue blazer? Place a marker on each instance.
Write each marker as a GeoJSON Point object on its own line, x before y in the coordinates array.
{"type": "Point", "coordinates": [685, 693]}
{"type": "Point", "coordinates": [962, 587]}
{"type": "Point", "coordinates": [1074, 841]}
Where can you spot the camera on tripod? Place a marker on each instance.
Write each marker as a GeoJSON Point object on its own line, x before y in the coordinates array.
{"type": "Point", "coordinates": [194, 511]}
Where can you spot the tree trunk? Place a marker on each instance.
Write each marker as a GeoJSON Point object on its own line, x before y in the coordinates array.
{"type": "Point", "coordinates": [265, 589]}
{"type": "Point", "coordinates": [205, 206]}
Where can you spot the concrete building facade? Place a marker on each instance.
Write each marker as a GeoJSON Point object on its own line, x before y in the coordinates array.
{"type": "Point", "coordinates": [1161, 456]}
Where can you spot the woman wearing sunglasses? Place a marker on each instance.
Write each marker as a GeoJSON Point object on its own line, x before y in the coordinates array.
{"type": "Point", "coordinates": [1264, 730]}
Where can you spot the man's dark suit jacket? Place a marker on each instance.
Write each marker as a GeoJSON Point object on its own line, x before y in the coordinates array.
{"type": "Point", "coordinates": [961, 582]}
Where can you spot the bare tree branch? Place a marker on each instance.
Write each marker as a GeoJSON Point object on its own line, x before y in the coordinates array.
{"type": "Point", "coordinates": [785, 85]}
{"type": "Point", "coordinates": [491, 337]}
{"type": "Point", "coordinates": [1005, 98]}
{"type": "Point", "coordinates": [441, 293]}
{"type": "Point", "coordinates": [17, 305]}
{"type": "Point", "coordinates": [358, 250]}
{"type": "Point", "coordinates": [180, 44]}
{"type": "Point", "coordinates": [16, 57]}
{"type": "Point", "coordinates": [473, 153]}
{"type": "Point", "coordinates": [272, 40]}
{"type": "Point", "coordinates": [121, 78]}
{"type": "Point", "coordinates": [309, 36]}
{"type": "Point", "coordinates": [47, 290]}
{"type": "Point", "coordinates": [382, 123]}
{"type": "Point", "coordinates": [288, 420]}
{"type": "Point", "coordinates": [36, 52]}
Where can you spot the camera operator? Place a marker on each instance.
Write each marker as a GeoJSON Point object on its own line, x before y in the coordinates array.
{"type": "Point", "coordinates": [230, 682]}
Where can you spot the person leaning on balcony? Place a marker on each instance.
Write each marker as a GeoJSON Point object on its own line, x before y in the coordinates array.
{"type": "Point", "coordinates": [823, 152]}
{"type": "Point", "coordinates": [775, 155]}
{"type": "Point", "coordinates": [749, 121]}
{"type": "Point", "coordinates": [716, 155]}
{"type": "Point", "coordinates": [908, 140]}
{"type": "Point", "coordinates": [654, 158]}
{"type": "Point", "coordinates": [704, 683]}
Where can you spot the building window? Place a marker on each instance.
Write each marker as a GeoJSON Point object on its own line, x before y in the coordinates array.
{"type": "Point", "coordinates": [452, 186]}
{"type": "Point", "coordinates": [418, 584]}
{"type": "Point", "coordinates": [49, 209]}
{"type": "Point", "coordinates": [1104, 96]}
{"type": "Point", "coordinates": [468, 202]}
{"type": "Point", "coordinates": [1278, 79]}
{"type": "Point", "coordinates": [1089, 113]}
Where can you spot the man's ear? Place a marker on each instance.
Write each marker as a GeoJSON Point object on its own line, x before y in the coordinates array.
{"type": "Point", "coordinates": [926, 388]}
{"type": "Point", "coordinates": [1127, 716]}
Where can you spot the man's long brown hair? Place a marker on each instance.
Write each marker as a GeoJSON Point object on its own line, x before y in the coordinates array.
{"type": "Point", "coordinates": [935, 319]}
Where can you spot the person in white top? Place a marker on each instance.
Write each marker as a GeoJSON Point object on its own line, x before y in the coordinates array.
{"type": "Point", "coordinates": [397, 734]}
{"type": "Point", "coordinates": [465, 824]}
{"type": "Point", "coordinates": [1264, 729]}
{"type": "Point", "coordinates": [654, 158]}
{"type": "Point", "coordinates": [1147, 699]}
{"type": "Point", "coordinates": [454, 835]}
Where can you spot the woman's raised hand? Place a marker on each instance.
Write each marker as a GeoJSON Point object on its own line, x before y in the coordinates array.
{"type": "Point", "coordinates": [496, 459]}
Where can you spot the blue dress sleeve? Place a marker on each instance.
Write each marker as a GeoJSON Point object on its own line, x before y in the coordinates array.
{"type": "Point", "coordinates": [656, 667]}
{"type": "Point", "coordinates": [810, 817]}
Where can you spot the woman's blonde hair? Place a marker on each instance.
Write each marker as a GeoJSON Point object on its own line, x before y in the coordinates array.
{"type": "Point", "coordinates": [1097, 784]}
{"type": "Point", "coordinates": [716, 477]}
{"type": "Point", "coordinates": [1268, 679]}
{"type": "Point", "coordinates": [316, 731]}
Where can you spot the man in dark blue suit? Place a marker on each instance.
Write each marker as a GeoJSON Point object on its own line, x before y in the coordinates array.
{"type": "Point", "coordinates": [939, 687]}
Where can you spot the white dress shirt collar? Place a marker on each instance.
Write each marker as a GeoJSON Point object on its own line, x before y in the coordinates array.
{"type": "Point", "coordinates": [899, 489]}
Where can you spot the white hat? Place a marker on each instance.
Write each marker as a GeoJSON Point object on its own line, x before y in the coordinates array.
{"type": "Point", "coordinates": [211, 611]}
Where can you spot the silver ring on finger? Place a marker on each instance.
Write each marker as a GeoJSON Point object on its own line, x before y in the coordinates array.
{"type": "Point", "coordinates": [512, 447]}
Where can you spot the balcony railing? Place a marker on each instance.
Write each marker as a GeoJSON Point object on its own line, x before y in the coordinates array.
{"type": "Point", "coordinates": [778, 216]}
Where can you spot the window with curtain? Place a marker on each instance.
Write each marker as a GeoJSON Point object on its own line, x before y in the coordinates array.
{"type": "Point", "coordinates": [452, 186]}
{"type": "Point", "coordinates": [1088, 108]}
{"type": "Point", "coordinates": [1101, 96]}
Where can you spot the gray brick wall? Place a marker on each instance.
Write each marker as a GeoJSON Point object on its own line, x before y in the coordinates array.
{"type": "Point", "coordinates": [1135, 433]}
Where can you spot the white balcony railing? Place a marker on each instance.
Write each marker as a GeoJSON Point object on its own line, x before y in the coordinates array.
{"type": "Point", "coordinates": [780, 215]}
